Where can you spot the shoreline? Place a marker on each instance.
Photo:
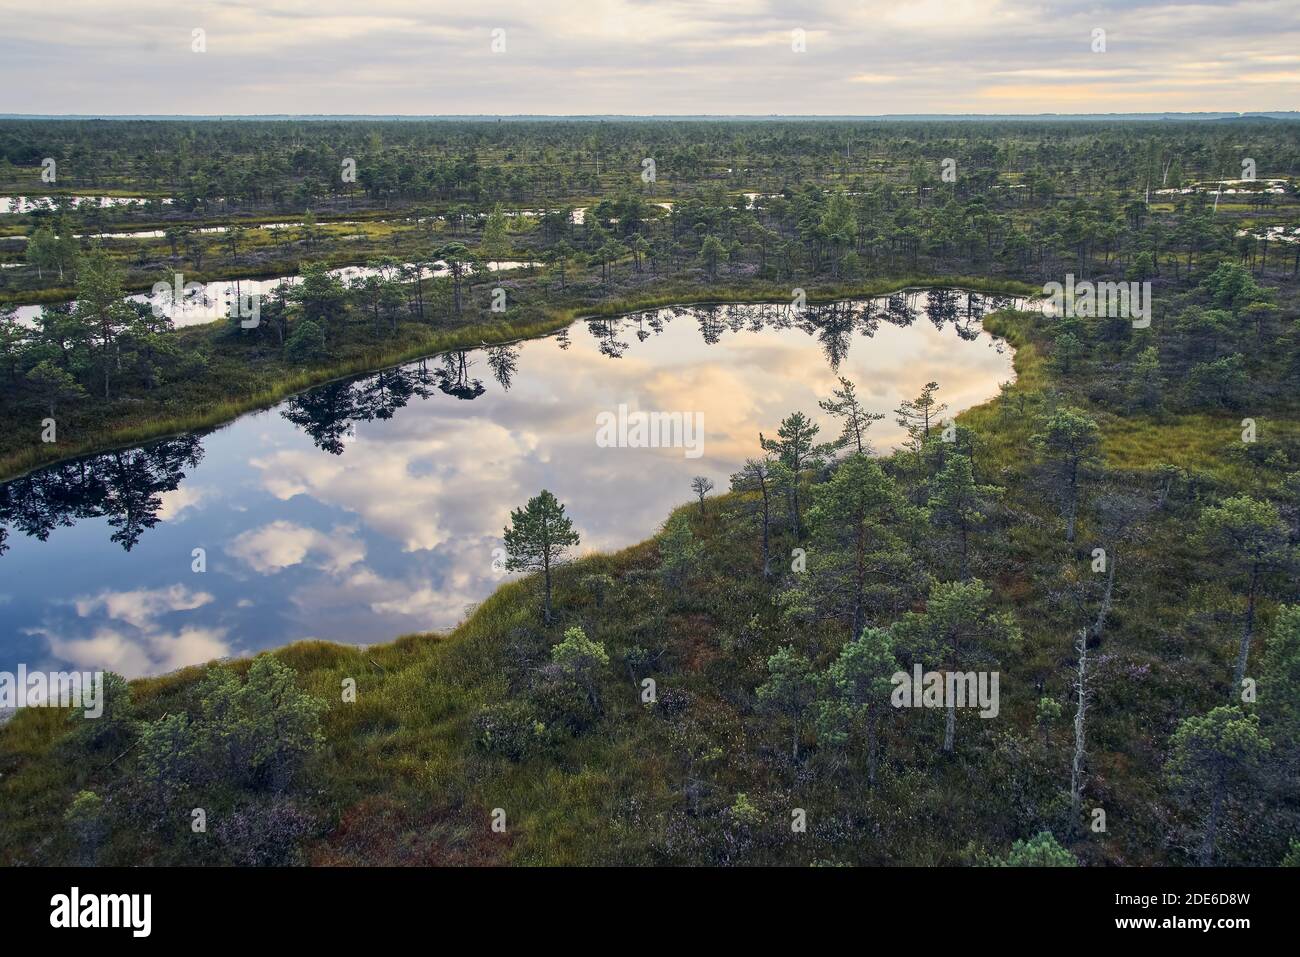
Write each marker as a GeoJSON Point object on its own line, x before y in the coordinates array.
{"type": "Point", "coordinates": [475, 335]}
{"type": "Point", "coordinates": [1025, 372]}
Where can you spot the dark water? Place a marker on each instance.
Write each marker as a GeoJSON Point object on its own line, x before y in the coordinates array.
{"type": "Point", "coordinates": [368, 508]}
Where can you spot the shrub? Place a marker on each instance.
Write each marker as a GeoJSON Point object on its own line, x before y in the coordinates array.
{"type": "Point", "coordinates": [113, 730]}
{"type": "Point", "coordinates": [1042, 850]}
{"type": "Point", "coordinates": [260, 731]}
{"type": "Point", "coordinates": [85, 820]}
{"type": "Point", "coordinates": [510, 730]}
{"type": "Point", "coordinates": [306, 344]}
{"type": "Point", "coordinates": [264, 834]}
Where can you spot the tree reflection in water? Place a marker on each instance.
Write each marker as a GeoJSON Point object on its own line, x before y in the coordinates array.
{"type": "Point", "coordinates": [126, 485]}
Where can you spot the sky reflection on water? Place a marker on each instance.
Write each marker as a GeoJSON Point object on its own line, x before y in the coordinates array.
{"type": "Point", "coordinates": [365, 509]}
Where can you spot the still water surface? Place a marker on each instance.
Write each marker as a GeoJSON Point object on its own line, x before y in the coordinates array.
{"type": "Point", "coordinates": [368, 508]}
{"type": "Point", "coordinates": [25, 204]}
{"type": "Point", "coordinates": [203, 302]}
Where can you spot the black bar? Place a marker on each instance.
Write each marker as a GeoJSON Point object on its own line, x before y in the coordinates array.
{"type": "Point", "coordinates": [332, 906]}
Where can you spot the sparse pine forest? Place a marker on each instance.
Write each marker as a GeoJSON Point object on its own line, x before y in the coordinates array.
{"type": "Point", "coordinates": [1114, 537]}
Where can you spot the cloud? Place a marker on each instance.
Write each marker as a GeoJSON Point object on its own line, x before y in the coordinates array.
{"type": "Point", "coordinates": [140, 607]}
{"type": "Point", "coordinates": [407, 56]}
{"type": "Point", "coordinates": [179, 500]}
{"type": "Point", "coordinates": [412, 488]}
{"type": "Point", "coordinates": [121, 631]}
{"type": "Point", "coordinates": [271, 548]}
{"type": "Point", "coordinates": [137, 655]}
{"type": "Point", "coordinates": [407, 604]}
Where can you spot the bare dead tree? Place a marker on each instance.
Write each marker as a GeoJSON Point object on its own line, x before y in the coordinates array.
{"type": "Point", "coordinates": [1080, 719]}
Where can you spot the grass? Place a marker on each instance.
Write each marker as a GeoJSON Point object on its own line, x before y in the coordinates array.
{"type": "Point", "coordinates": [134, 431]}
{"type": "Point", "coordinates": [1006, 431]}
{"type": "Point", "coordinates": [401, 782]}
{"type": "Point", "coordinates": [238, 390]}
{"type": "Point", "coordinates": [1201, 442]}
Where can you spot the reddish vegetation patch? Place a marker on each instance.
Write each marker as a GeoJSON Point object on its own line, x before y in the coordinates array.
{"type": "Point", "coordinates": [694, 636]}
{"type": "Point", "coordinates": [380, 831]}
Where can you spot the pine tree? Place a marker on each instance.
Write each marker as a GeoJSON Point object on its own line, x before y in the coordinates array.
{"type": "Point", "coordinates": [1213, 757]}
{"type": "Point", "coordinates": [789, 690]}
{"type": "Point", "coordinates": [102, 310]}
{"type": "Point", "coordinates": [796, 448]}
{"type": "Point", "coordinates": [1279, 681]}
{"type": "Point", "coordinates": [495, 243]}
{"type": "Point", "coordinates": [856, 689]}
{"type": "Point", "coordinates": [538, 539]}
{"type": "Point", "coordinates": [701, 486]}
{"type": "Point", "coordinates": [958, 628]}
{"type": "Point", "coordinates": [847, 514]}
{"type": "Point", "coordinates": [1069, 443]}
{"type": "Point", "coordinates": [844, 405]}
{"type": "Point", "coordinates": [1247, 535]}
{"type": "Point", "coordinates": [756, 476]}
{"type": "Point", "coordinates": [957, 502]}
{"type": "Point", "coordinates": [679, 551]}
{"type": "Point", "coordinates": [581, 658]}
{"type": "Point", "coordinates": [1043, 850]}
{"type": "Point", "coordinates": [919, 414]}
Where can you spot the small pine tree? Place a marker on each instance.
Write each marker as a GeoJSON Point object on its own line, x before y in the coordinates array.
{"type": "Point", "coordinates": [1069, 442]}
{"type": "Point", "coordinates": [538, 538]}
{"type": "Point", "coordinates": [701, 486]}
{"type": "Point", "coordinates": [1212, 758]}
{"type": "Point", "coordinates": [844, 405]}
{"type": "Point", "coordinates": [856, 688]}
{"type": "Point", "coordinates": [306, 343]}
{"type": "Point", "coordinates": [581, 658]}
{"type": "Point", "coordinates": [921, 414]}
{"type": "Point", "coordinates": [1042, 850]}
{"type": "Point", "coordinates": [789, 690]}
{"type": "Point", "coordinates": [679, 552]}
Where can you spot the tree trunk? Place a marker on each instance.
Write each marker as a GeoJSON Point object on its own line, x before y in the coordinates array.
{"type": "Point", "coordinates": [873, 743]}
{"type": "Point", "coordinates": [859, 580]}
{"type": "Point", "coordinates": [1243, 652]}
{"type": "Point", "coordinates": [1206, 855]}
{"type": "Point", "coordinates": [1074, 502]}
{"type": "Point", "coordinates": [1080, 717]}
{"type": "Point", "coordinates": [1100, 624]}
{"type": "Point", "coordinates": [546, 572]}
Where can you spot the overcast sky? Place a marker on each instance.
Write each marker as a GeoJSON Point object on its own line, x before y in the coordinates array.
{"type": "Point", "coordinates": [647, 56]}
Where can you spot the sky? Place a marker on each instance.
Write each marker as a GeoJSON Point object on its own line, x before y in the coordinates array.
{"type": "Point", "coordinates": [647, 57]}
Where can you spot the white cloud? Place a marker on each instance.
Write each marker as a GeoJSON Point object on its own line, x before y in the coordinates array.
{"type": "Point", "coordinates": [120, 631]}
{"type": "Point", "coordinates": [179, 500]}
{"type": "Point", "coordinates": [281, 544]}
{"type": "Point", "coordinates": [137, 655]}
{"type": "Point", "coordinates": [141, 606]}
{"type": "Point", "coordinates": [671, 56]}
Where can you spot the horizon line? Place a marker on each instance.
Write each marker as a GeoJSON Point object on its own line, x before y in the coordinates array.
{"type": "Point", "coordinates": [1205, 114]}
